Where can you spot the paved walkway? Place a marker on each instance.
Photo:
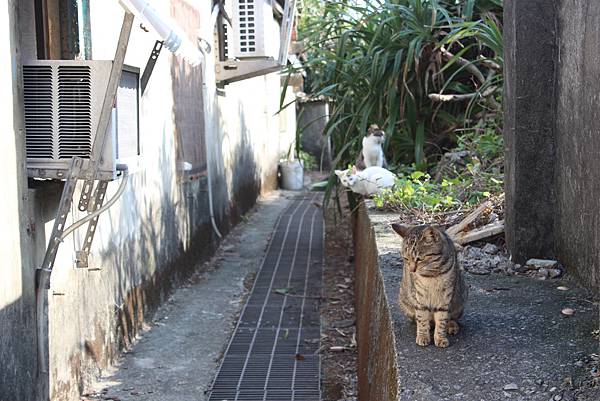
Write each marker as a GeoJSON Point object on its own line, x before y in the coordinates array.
{"type": "Point", "coordinates": [270, 356]}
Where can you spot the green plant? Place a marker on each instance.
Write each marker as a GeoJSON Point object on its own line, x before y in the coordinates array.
{"type": "Point", "coordinates": [308, 160]}
{"type": "Point", "coordinates": [421, 69]}
{"type": "Point", "coordinates": [480, 178]}
{"type": "Point", "coordinates": [417, 190]}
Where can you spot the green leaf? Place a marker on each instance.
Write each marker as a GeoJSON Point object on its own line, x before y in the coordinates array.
{"type": "Point", "coordinates": [415, 175]}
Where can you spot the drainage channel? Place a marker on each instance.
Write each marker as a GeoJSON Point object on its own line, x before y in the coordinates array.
{"type": "Point", "coordinates": [273, 354]}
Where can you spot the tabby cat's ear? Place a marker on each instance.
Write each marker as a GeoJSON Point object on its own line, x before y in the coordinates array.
{"type": "Point", "coordinates": [400, 229]}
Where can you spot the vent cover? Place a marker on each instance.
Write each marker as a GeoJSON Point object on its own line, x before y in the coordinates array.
{"type": "Point", "coordinates": [255, 30]}
{"type": "Point", "coordinates": [37, 93]}
{"type": "Point", "coordinates": [62, 103]}
{"type": "Point", "coordinates": [74, 112]}
{"type": "Point", "coordinates": [247, 26]}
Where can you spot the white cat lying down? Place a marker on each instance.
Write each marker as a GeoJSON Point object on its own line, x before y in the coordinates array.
{"type": "Point", "coordinates": [369, 181]}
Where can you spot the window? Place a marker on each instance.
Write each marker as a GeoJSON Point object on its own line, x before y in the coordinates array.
{"type": "Point", "coordinates": [127, 115]}
{"type": "Point", "coordinates": [63, 29]}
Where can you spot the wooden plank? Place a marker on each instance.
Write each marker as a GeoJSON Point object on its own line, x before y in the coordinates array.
{"type": "Point", "coordinates": [471, 217]}
{"type": "Point", "coordinates": [486, 231]}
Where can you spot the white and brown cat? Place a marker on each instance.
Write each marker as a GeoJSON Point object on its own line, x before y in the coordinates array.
{"type": "Point", "coordinates": [372, 154]}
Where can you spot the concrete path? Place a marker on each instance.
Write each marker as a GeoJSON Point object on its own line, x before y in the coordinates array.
{"type": "Point", "coordinates": [177, 358]}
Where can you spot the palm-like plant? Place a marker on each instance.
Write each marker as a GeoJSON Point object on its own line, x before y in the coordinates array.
{"type": "Point", "coordinates": [418, 68]}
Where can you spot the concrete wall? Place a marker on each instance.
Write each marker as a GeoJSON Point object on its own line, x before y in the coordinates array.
{"type": "Point", "coordinates": [156, 233]}
{"type": "Point", "coordinates": [577, 216]}
{"type": "Point", "coordinates": [312, 118]}
{"type": "Point", "coordinates": [377, 369]}
{"type": "Point", "coordinates": [17, 292]}
{"type": "Point", "coordinates": [529, 96]}
{"type": "Point", "coordinates": [551, 131]}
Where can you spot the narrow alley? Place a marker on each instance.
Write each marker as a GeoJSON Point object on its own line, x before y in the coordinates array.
{"type": "Point", "coordinates": [271, 354]}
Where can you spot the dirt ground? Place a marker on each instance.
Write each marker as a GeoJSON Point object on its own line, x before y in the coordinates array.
{"type": "Point", "coordinates": [338, 333]}
{"type": "Point", "coordinates": [526, 335]}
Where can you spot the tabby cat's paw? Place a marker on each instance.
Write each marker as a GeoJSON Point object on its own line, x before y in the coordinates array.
{"type": "Point", "coordinates": [441, 342]}
{"type": "Point", "coordinates": [423, 341]}
{"type": "Point", "coordinates": [452, 328]}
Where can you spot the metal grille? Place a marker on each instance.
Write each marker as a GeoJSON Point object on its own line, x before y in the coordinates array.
{"type": "Point", "coordinates": [247, 30]}
{"type": "Point", "coordinates": [74, 111]}
{"type": "Point", "coordinates": [37, 92]}
{"type": "Point", "coordinates": [273, 354]}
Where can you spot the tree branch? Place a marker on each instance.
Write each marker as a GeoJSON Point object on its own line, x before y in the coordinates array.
{"type": "Point", "coordinates": [464, 63]}
{"type": "Point", "coordinates": [456, 97]}
{"type": "Point", "coordinates": [492, 65]}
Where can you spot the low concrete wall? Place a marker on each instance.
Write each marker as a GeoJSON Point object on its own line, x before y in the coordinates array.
{"type": "Point", "coordinates": [377, 368]}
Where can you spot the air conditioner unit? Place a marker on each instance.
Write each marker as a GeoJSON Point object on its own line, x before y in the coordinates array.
{"type": "Point", "coordinates": [255, 31]}
{"type": "Point", "coordinates": [62, 103]}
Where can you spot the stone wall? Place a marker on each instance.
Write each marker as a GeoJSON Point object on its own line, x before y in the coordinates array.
{"type": "Point", "coordinates": [551, 133]}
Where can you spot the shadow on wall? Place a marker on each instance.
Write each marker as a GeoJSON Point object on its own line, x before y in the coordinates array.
{"type": "Point", "coordinates": [245, 176]}
{"type": "Point", "coordinates": [18, 352]}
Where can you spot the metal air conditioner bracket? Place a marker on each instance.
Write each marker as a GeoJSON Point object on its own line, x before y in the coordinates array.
{"type": "Point", "coordinates": [236, 70]}
{"type": "Point", "coordinates": [90, 171]}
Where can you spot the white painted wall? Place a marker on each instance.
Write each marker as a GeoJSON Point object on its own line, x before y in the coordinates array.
{"type": "Point", "coordinates": [16, 266]}
{"type": "Point", "coordinates": [157, 218]}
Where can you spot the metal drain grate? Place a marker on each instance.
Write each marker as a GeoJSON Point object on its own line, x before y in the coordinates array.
{"type": "Point", "coordinates": [272, 355]}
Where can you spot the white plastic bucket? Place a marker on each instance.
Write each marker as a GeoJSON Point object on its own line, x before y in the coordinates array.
{"type": "Point", "coordinates": [292, 175]}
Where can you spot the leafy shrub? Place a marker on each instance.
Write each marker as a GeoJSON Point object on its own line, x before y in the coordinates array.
{"type": "Point", "coordinates": [476, 181]}
{"type": "Point", "coordinates": [381, 62]}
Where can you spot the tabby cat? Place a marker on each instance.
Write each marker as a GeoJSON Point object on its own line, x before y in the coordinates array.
{"type": "Point", "coordinates": [433, 289]}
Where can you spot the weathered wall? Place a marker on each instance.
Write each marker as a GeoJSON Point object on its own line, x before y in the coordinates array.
{"type": "Point", "coordinates": [157, 231]}
{"type": "Point", "coordinates": [377, 369]}
{"type": "Point", "coordinates": [312, 118]}
{"type": "Point", "coordinates": [17, 292]}
{"type": "Point", "coordinates": [529, 127]}
{"type": "Point", "coordinates": [577, 214]}
{"type": "Point", "coordinates": [551, 131]}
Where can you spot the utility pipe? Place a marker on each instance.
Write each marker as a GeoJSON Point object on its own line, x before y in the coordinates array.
{"type": "Point", "coordinates": [44, 277]}
{"type": "Point", "coordinates": [208, 126]}
{"type": "Point", "coordinates": [174, 38]}
{"type": "Point", "coordinates": [103, 209]}
{"type": "Point", "coordinates": [176, 41]}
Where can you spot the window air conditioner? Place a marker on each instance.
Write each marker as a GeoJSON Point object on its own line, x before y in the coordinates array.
{"type": "Point", "coordinates": [62, 103]}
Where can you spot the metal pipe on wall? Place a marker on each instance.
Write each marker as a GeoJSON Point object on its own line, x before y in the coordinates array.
{"type": "Point", "coordinates": [208, 126]}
